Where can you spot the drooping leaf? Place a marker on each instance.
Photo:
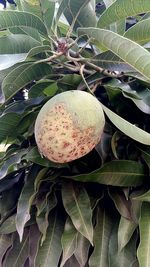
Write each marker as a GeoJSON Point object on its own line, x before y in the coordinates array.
{"type": "Point", "coordinates": [77, 205]}
{"type": "Point", "coordinates": [10, 19]}
{"type": "Point", "coordinates": [49, 253]}
{"type": "Point", "coordinates": [125, 232]}
{"type": "Point", "coordinates": [125, 257]}
{"type": "Point", "coordinates": [21, 76]}
{"type": "Point", "coordinates": [5, 243]}
{"type": "Point", "coordinates": [123, 9]}
{"type": "Point", "coordinates": [77, 13]}
{"type": "Point", "coordinates": [42, 219]}
{"type": "Point", "coordinates": [17, 44]}
{"type": "Point", "coordinates": [34, 240]}
{"type": "Point", "coordinates": [37, 50]}
{"type": "Point", "coordinates": [128, 128]}
{"type": "Point", "coordinates": [25, 201]}
{"type": "Point", "coordinates": [19, 252]}
{"type": "Point", "coordinates": [116, 173]}
{"type": "Point", "coordinates": [68, 241]}
{"type": "Point", "coordinates": [82, 250]}
{"type": "Point", "coordinates": [143, 251]}
{"type": "Point", "coordinates": [102, 231]}
{"type": "Point", "coordinates": [129, 51]}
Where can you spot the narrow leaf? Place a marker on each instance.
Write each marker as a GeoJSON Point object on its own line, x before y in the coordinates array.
{"type": "Point", "coordinates": [5, 243]}
{"type": "Point", "coordinates": [116, 172]}
{"type": "Point", "coordinates": [82, 250]}
{"type": "Point", "coordinates": [77, 205]}
{"type": "Point", "coordinates": [49, 253]}
{"type": "Point", "coordinates": [25, 201]}
{"type": "Point", "coordinates": [125, 232]}
{"type": "Point", "coordinates": [19, 253]}
{"type": "Point", "coordinates": [102, 231]}
{"type": "Point", "coordinates": [143, 251]}
{"type": "Point", "coordinates": [68, 241]}
{"type": "Point", "coordinates": [128, 128]}
{"type": "Point", "coordinates": [34, 240]}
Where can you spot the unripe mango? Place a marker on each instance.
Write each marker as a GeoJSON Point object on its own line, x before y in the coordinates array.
{"type": "Point", "coordinates": [69, 126]}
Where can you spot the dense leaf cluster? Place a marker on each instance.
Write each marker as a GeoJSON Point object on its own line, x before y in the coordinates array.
{"type": "Point", "coordinates": [92, 212]}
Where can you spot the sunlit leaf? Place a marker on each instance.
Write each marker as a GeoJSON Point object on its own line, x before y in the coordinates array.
{"type": "Point", "coordinates": [129, 51]}
{"type": "Point", "coordinates": [22, 75]}
{"type": "Point", "coordinates": [17, 44]}
{"type": "Point", "coordinates": [123, 9]}
{"type": "Point", "coordinates": [10, 19]}
{"type": "Point", "coordinates": [126, 127]}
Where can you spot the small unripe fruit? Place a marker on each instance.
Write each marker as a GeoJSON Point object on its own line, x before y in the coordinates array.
{"type": "Point", "coordinates": [69, 126]}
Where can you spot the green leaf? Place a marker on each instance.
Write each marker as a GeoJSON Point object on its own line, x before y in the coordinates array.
{"type": "Point", "coordinates": [9, 123]}
{"type": "Point", "coordinates": [21, 76]}
{"type": "Point", "coordinates": [5, 243]}
{"type": "Point", "coordinates": [51, 89]}
{"type": "Point", "coordinates": [49, 253]}
{"type": "Point", "coordinates": [17, 256]}
{"type": "Point", "coordinates": [34, 156]}
{"type": "Point", "coordinates": [125, 257]}
{"type": "Point", "coordinates": [116, 173]}
{"type": "Point", "coordinates": [12, 163]}
{"type": "Point", "coordinates": [79, 13]}
{"type": "Point", "coordinates": [143, 251]}
{"type": "Point", "coordinates": [25, 201]}
{"type": "Point", "coordinates": [42, 219]}
{"type": "Point", "coordinates": [38, 50]}
{"type": "Point", "coordinates": [9, 19]}
{"type": "Point", "coordinates": [102, 231]}
{"type": "Point", "coordinates": [68, 241]}
{"type": "Point", "coordinates": [122, 204]}
{"type": "Point", "coordinates": [34, 241]}
{"type": "Point", "coordinates": [8, 226]}
{"type": "Point", "coordinates": [123, 9]}
{"type": "Point", "coordinates": [146, 155]}
{"type": "Point", "coordinates": [48, 11]}
{"type": "Point", "coordinates": [125, 232]}
{"type": "Point", "coordinates": [128, 128]}
{"type": "Point", "coordinates": [77, 205]}
{"type": "Point", "coordinates": [82, 250]}
{"type": "Point", "coordinates": [110, 61]}
{"type": "Point", "coordinates": [140, 32]}
{"type": "Point", "coordinates": [17, 44]}
{"type": "Point", "coordinates": [132, 53]}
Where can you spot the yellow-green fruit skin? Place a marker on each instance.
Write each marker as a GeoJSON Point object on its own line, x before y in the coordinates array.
{"type": "Point", "coordinates": [69, 126]}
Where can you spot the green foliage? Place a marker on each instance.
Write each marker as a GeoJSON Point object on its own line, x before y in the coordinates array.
{"type": "Point", "coordinates": [94, 211]}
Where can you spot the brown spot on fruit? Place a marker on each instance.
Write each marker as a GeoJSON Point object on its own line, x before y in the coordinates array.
{"type": "Point", "coordinates": [69, 125]}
